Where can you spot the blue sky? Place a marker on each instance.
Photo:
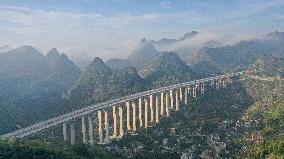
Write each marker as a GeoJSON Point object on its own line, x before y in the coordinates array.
{"type": "Point", "coordinates": [112, 28]}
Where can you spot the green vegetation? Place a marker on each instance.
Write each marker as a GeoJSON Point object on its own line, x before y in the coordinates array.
{"type": "Point", "coordinates": [47, 150]}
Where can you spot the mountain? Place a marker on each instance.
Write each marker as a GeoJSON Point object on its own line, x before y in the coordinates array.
{"type": "Point", "coordinates": [33, 86]}
{"type": "Point", "coordinates": [99, 83]}
{"type": "Point", "coordinates": [117, 64]}
{"type": "Point", "coordinates": [167, 68]}
{"type": "Point", "coordinates": [79, 57]}
{"type": "Point", "coordinates": [241, 55]}
{"type": "Point", "coordinates": [142, 55]}
{"type": "Point", "coordinates": [166, 41]}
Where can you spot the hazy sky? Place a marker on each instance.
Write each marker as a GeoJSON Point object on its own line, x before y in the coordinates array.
{"type": "Point", "coordinates": [113, 28]}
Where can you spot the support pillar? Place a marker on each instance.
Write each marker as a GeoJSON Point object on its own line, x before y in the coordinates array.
{"type": "Point", "coordinates": [134, 115]}
{"type": "Point", "coordinates": [157, 109]}
{"type": "Point", "coordinates": [151, 109]}
{"type": "Point", "coordinates": [185, 95]}
{"type": "Point", "coordinates": [128, 115]}
{"type": "Point", "coordinates": [146, 112]}
{"type": "Point", "coordinates": [100, 127]}
{"type": "Point", "coordinates": [72, 133]}
{"type": "Point", "coordinates": [202, 87]}
{"type": "Point", "coordinates": [167, 104]}
{"type": "Point", "coordinates": [220, 82]}
{"type": "Point", "coordinates": [106, 127]}
{"type": "Point", "coordinates": [140, 113]}
{"type": "Point", "coordinates": [212, 83]}
{"type": "Point", "coordinates": [224, 83]}
{"type": "Point", "coordinates": [194, 92]}
{"type": "Point", "coordinates": [114, 122]}
{"type": "Point", "coordinates": [162, 103]}
{"type": "Point", "coordinates": [172, 99]}
{"type": "Point", "coordinates": [177, 101]}
{"type": "Point", "coordinates": [84, 130]}
{"type": "Point", "coordinates": [120, 122]}
{"type": "Point", "coordinates": [180, 93]}
{"type": "Point", "coordinates": [217, 86]}
{"type": "Point", "coordinates": [64, 129]}
{"type": "Point", "coordinates": [91, 129]}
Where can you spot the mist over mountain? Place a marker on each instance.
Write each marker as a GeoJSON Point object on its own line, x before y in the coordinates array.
{"type": "Point", "coordinates": [117, 64]}
{"type": "Point", "coordinates": [241, 55]}
{"type": "Point", "coordinates": [5, 48]}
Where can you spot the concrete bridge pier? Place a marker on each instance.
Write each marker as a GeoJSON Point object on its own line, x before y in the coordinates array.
{"type": "Point", "coordinates": [128, 116]}
{"type": "Point", "coordinates": [100, 127]}
{"type": "Point", "coordinates": [120, 122]}
{"type": "Point", "coordinates": [64, 129]}
{"type": "Point", "coordinates": [185, 95]}
{"type": "Point", "coordinates": [114, 122]}
{"type": "Point", "coordinates": [84, 130]}
{"type": "Point", "coordinates": [106, 127]}
{"type": "Point", "coordinates": [224, 83]}
{"type": "Point", "coordinates": [146, 112]}
{"type": "Point", "coordinates": [140, 113]}
{"type": "Point", "coordinates": [172, 99]}
{"type": "Point", "coordinates": [220, 82]}
{"type": "Point", "coordinates": [177, 101]}
{"type": "Point", "coordinates": [194, 92]}
{"type": "Point", "coordinates": [72, 133]}
{"type": "Point", "coordinates": [212, 83]}
{"type": "Point", "coordinates": [217, 85]}
{"type": "Point", "coordinates": [180, 93]}
{"type": "Point", "coordinates": [157, 109]}
{"type": "Point", "coordinates": [202, 87]}
{"type": "Point", "coordinates": [134, 115]}
{"type": "Point", "coordinates": [151, 109]}
{"type": "Point", "coordinates": [91, 130]}
{"type": "Point", "coordinates": [167, 103]}
{"type": "Point", "coordinates": [162, 103]}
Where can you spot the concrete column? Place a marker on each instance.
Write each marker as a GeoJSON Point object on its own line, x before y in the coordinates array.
{"type": "Point", "coordinates": [220, 82]}
{"type": "Point", "coordinates": [167, 104]}
{"type": "Point", "coordinates": [177, 101]}
{"type": "Point", "coordinates": [212, 83]}
{"type": "Point", "coordinates": [224, 83]}
{"type": "Point", "coordinates": [64, 129]}
{"type": "Point", "coordinates": [194, 92]}
{"type": "Point", "coordinates": [185, 95]}
{"type": "Point", "coordinates": [172, 99]}
{"type": "Point", "coordinates": [106, 127]}
{"type": "Point", "coordinates": [180, 93]}
{"type": "Point", "coordinates": [72, 133]}
{"type": "Point", "coordinates": [128, 116]}
{"type": "Point", "coordinates": [151, 109]}
{"type": "Point", "coordinates": [202, 87]}
{"type": "Point", "coordinates": [140, 113]}
{"type": "Point", "coordinates": [157, 109]}
{"type": "Point", "coordinates": [91, 129]}
{"type": "Point", "coordinates": [162, 103]}
{"type": "Point", "coordinates": [84, 130]}
{"type": "Point", "coordinates": [146, 112]}
{"type": "Point", "coordinates": [134, 115]}
{"type": "Point", "coordinates": [120, 122]}
{"type": "Point", "coordinates": [100, 126]}
{"type": "Point", "coordinates": [114, 122]}
{"type": "Point", "coordinates": [217, 86]}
